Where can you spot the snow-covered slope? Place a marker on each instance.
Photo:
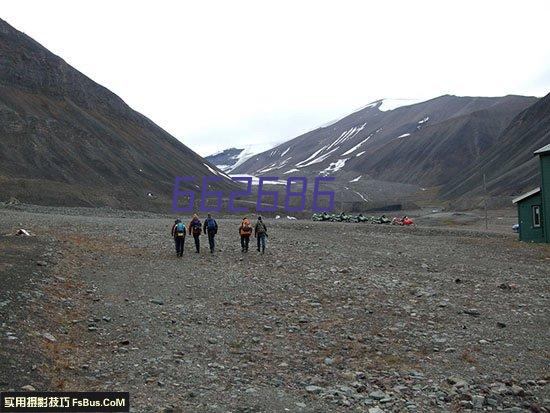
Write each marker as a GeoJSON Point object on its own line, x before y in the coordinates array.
{"type": "Point", "coordinates": [229, 159]}
{"type": "Point", "coordinates": [397, 140]}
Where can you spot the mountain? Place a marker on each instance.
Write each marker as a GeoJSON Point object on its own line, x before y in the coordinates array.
{"type": "Point", "coordinates": [226, 159]}
{"type": "Point", "coordinates": [509, 165]}
{"type": "Point", "coordinates": [230, 159]}
{"type": "Point", "coordinates": [66, 140]}
{"type": "Point", "coordinates": [427, 144]}
{"type": "Point", "coordinates": [436, 154]}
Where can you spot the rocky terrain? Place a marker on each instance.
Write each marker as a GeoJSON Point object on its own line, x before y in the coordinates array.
{"type": "Point", "coordinates": [335, 317]}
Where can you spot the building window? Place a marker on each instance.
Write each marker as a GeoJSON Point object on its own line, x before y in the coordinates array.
{"type": "Point", "coordinates": [536, 216]}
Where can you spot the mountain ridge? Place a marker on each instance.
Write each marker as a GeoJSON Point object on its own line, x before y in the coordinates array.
{"type": "Point", "coordinates": [66, 140]}
{"type": "Point", "coordinates": [426, 143]}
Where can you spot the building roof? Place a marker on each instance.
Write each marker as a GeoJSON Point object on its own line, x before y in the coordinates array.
{"type": "Point", "coordinates": [544, 149]}
{"type": "Point", "coordinates": [526, 195]}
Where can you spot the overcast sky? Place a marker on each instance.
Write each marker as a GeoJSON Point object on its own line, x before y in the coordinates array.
{"type": "Point", "coordinates": [217, 74]}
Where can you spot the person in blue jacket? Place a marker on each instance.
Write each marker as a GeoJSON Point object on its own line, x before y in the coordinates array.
{"type": "Point", "coordinates": [211, 229]}
{"type": "Point", "coordinates": [178, 233]}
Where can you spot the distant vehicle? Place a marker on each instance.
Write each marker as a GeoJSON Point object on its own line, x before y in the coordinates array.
{"type": "Point", "coordinates": [402, 221]}
{"type": "Point", "coordinates": [515, 228]}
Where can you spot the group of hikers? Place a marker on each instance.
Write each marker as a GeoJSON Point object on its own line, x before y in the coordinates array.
{"type": "Point", "coordinates": [210, 228]}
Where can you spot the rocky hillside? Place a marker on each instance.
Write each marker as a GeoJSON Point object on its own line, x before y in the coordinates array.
{"type": "Point", "coordinates": [65, 140]}
{"type": "Point", "coordinates": [509, 165]}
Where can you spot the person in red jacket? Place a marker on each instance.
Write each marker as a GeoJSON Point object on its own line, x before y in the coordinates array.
{"type": "Point", "coordinates": [245, 231]}
{"type": "Point", "coordinates": [195, 229]}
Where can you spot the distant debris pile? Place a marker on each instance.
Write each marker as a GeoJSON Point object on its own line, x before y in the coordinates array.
{"type": "Point", "coordinates": [402, 221]}
{"type": "Point", "coordinates": [22, 233]}
{"type": "Point", "coordinates": [343, 217]}
{"type": "Point", "coordinates": [13, 201]}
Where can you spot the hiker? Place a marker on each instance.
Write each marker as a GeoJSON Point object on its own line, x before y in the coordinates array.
{"type": "Point", "coordinates": [210, 228]}
{"type": "Point", "coordinates": [245, 231]}
{"type": "Point", "coordinates": [195, 230]}
{"type": "Point", "coordinates": [260, 232]}
{"type": "Point", "coordinates": [178, 233]}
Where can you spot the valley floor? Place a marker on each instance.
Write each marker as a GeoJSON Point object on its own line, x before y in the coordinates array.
{"type": "Point", "coordinates": [334, 317]}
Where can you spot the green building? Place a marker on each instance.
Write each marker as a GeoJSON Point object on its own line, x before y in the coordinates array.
{"type": "Point", "coordinates": [534, 206]}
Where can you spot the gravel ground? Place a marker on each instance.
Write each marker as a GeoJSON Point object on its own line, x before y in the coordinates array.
{"type": "Point", "coordinates": [334, 317]}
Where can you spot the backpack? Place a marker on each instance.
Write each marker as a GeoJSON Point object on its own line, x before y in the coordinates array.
{"type": "Point", "coordinates": [180, 230]}
{"type": "Point", "coordinates": [261, 229]}
{"type": "Point", "coordinates": [211, 225]}
{"type": "Point", "coordinates": [196, 226]}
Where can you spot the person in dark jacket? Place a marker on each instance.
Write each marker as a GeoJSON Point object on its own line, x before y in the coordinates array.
{"type": "Point", "coordinates": [178, 233]}
{"type": "Point", "coordinates": [195, 230]}
{"type": "Point", "coordinates": [211, 229]}
{"type": "Point", "coordinates": [260, 232]}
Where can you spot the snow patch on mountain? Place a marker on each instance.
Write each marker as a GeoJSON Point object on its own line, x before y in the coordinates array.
{"type": "Point", "coordinates": [269, 168]}
{"type": "Point", "coordinates": [284, 162]}
{"type": "Point", "coordinates": [319, 159]}
{"type": "Point", "coordinates": [216, 172]}
{"type": "Point", "coordinates": [300, 164]}
{"type": "Point", "coordinates": [291, 171]}
{"type": "Point", "coordinates": [334, 166]}
{"type": "Point", "coordinates": [248, 152]}
{"type": "Point", "coordinates": [422, 122]}
{"type": "Point", "coordinates": [362, 196]}
{"type": "Point", "coordinates": [357, 146]}
{"type": "Point", "coordinates": [350, 133]}
{"type": "Point", "coordinates": [256, 180]}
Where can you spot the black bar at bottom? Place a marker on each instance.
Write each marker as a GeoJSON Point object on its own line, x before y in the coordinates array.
{"type": "Point", "coordinates": [64, 402]}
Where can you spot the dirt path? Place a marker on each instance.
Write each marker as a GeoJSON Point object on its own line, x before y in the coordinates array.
{"type": "Point", "coordinates": [335, 317]}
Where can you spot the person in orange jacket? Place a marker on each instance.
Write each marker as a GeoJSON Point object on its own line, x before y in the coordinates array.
{"type": "Point", "coordinates": [245, 231]}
